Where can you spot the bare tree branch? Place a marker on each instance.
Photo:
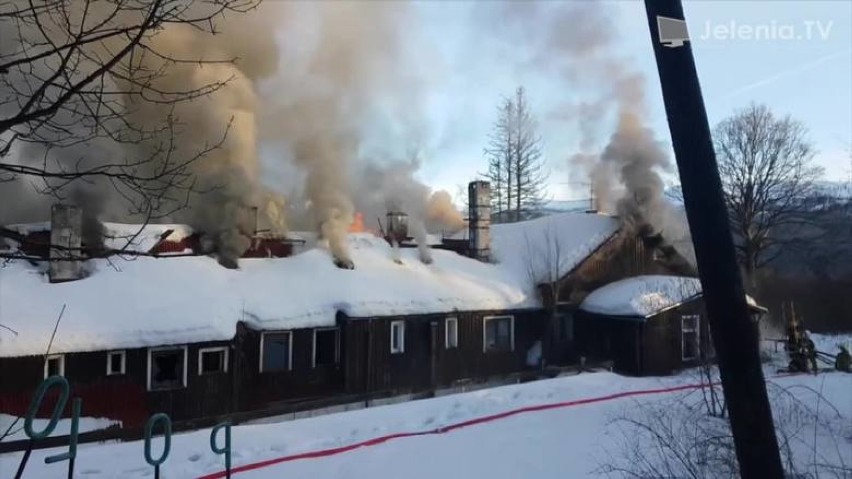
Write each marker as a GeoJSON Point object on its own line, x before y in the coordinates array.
{"type": "Point", "coordinates": [77, 73]}
{"type": "Point", "coordinates": [768, 178]}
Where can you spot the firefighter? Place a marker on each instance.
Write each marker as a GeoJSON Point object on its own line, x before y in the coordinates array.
{"type": "Point", "coordinates": [796, 346]}
{"type": "Point", "coordinates": [843, 361]}
{"type": "Point", "coordinates": [809, 350]}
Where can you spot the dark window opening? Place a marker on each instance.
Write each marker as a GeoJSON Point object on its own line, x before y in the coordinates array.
{"type": "Point", "coordinates": [167, 369]}
{"type": "Point", "coordinates": [325, 347]}
{"type": "Point", "coordinates": [566, 327]}
{"type": "Point", "coordinates": [451, 338]}
{"type": "Point", "coordinates": [54, 367]}
{"type": "Point", "coordinates": [690, 346]}
{"type": "Point", "coordinates": [115, 363]}
{"type": "Point", "coordinates": [498, 334]}
{"type": "Point", "coordinates": [213, 361]}
{"type": "Point", "coordinates": [397, 345]}
{"type": "Point", "coordinates": [276, 352]}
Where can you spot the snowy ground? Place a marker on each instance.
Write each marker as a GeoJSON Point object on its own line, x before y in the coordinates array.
{"type": "Point", "coordinates": [15, 426]}
{"type": "Point", "coordinates": [562, 442]}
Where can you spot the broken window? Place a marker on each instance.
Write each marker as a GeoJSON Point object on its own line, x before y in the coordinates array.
{"type": "Point", "coordinates": [276, 351]}
{"type": "Point", "coordinates": [451, 333]}
{"type": "Point", "coordinates": [326, 347]}
{"type": "Point", "coordinates": [690, 346]}
{"type": "Point", "coordinates": [213, 360]}
{"type": "Point", "coordinates": [116, 362]}
{"type": "Point", "coordinates": [167, 368]}
{"type": "Point", "coordinates": [397, 345]}
{"type": "Point", "coordinates": [54, 366]}
{"type": "Point", "coordinates": [499, 333]}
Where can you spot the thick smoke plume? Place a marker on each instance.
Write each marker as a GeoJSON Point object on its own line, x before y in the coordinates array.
{"type": "Point", "coordinates": [345, 71]}
{"type": "Point", "coordinates": [576, 40]}
{"type": "Point", "coordinates": [325, 71]}
{"type": "Point", "coordinates": [171, 134]}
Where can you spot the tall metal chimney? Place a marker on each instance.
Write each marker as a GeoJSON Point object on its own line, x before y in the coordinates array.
{"type": "Point", "coordinates": [397, 226]}
{"type": "Point", "coordinates": [479, 219]}
{"type": "Point", "coordinates": [66, 227]}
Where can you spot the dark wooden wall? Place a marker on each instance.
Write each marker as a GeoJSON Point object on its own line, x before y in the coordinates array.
{"type": "Point", "coordinates": [662, 339]}
{"type": "Point", "coordinates": [123, 397]}
{"type": "Point", "coordinates": [426, 363]}
{"type": "Point", "coordinates": [622, 256]}
{"type": "Point", "coordinates": [366, 365]}
{"type": "Point", "coordinates": [602, 338]}
{"type": "Point", "coordinates": [260, 389]}
{"type": "Point", "coordinates": [650, 347]}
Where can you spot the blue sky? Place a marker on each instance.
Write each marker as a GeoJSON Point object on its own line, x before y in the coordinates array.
{"type": "Point", "coordinates": [806, 74]}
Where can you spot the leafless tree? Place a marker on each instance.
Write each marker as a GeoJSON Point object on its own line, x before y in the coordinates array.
{"type": "Point", "coordinates": [499, 155]}
{"type": "Point", "coordinates": [674, 437]}
{"type": "Point", "coordinates": [544, 257]}
{"type": "Point", "coordinates": [516, 167]}
{"type": "Point", "coordinates": [768, 176]}
{"type": "Point", "coordinates": [75, 73]}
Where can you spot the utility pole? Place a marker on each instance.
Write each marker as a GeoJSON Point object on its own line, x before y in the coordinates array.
{"type": "Point", "coordinates": [734, 335]}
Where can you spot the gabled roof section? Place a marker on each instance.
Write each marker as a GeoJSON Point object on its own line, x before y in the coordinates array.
{"type": "Point", "coordinates": [645, 296]}
{"type": "Point", "coordinates": [548, 248]}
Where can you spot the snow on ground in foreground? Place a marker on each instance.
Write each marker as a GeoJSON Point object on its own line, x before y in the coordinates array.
{"type": "Point", "coordinates": [16, 430]}
{"type": "Point", "coordinates": [559, 443]}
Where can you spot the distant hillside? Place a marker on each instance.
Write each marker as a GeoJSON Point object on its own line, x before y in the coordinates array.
{"type": "Point", "coordinates": [832, 189]}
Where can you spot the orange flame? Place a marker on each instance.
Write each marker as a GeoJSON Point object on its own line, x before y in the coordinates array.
{"type": "Point", "coordinates": [357, 225]}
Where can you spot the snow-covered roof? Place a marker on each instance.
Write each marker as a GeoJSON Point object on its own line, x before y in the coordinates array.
{"type": "Point", "coordinates": [148, 301]}
{"type": "Point", "coordinates": [143, 301]}
{"type": "Point", "coordinates": [550, 247]}
{"type": "Point", "coordinates": [141, 238]}
{"type": "Point", "coordinates": [644, 296]}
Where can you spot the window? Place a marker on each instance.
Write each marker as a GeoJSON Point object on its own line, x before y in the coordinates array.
{"type": "Point", "coordinates": [397, 345]}
{"type": "Point", "coordinates": [689, 337]}
{"type": "Point", "coordinates": [54, 365]}
{"type": "Point", "coordinates": [499, 334]}
{"type": "Point", "coordinates": [166, 368]}
{"type": "Point", "coordinates": [451, 333]}
{"type": "Point", "coordinates": [326, 347]}
{"type": "Point", "coordinates": [213, 360]}
{"type": "Point", "coordinates": [566, 327]}
{"type": "Point", "coordinates": [276, 351]}
{"type": "Point", "coordinates": [116, 363]}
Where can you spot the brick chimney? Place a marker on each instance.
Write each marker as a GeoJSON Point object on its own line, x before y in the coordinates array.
{"type": "Point", "coordinates": [479, 219]}
{"type": "Point", "coordinates": [66, 227]}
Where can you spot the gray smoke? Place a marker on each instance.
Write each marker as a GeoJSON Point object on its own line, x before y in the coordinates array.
{"type": "Point", "coordinates": [227, 176]}
{"type": "Point", "coordinates": [576, 40]}
{"type": "Point", "coordinates": [343, 60]}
